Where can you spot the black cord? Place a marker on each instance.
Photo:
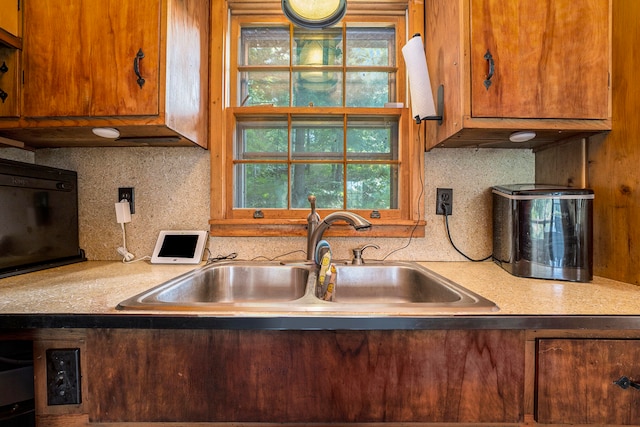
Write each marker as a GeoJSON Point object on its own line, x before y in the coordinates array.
{"type": "Point", "coordinates": [278, 256]}
{"type": "Point", "coordinates": [446, 221]}
{"type": "Point", "coordinates": [219, 258]}
{"type": "Point", "coordinates": [415, 226]}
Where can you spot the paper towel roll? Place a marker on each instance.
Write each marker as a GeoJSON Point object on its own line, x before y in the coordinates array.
{"type": "Point", "coordinates": [422, 104]}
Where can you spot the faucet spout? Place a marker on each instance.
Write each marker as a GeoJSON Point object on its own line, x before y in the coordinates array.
{"type": "Point", "coordinates": [313, 219]}
{"type": "Point", "coordinates": [356, 221]}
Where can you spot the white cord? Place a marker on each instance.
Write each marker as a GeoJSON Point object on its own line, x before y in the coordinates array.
{"type": "Point", "coordinates": [122, 250]}
{"type": "Point", "coordinates": [124, 238]}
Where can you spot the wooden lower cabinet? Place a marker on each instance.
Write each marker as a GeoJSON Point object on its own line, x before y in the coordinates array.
{"type": "Point", "coordinates": [516, 378]}
{"type": "Point", "coordinates": [576, 381]}
{"type": "Point", "coordinates": [241, 376]}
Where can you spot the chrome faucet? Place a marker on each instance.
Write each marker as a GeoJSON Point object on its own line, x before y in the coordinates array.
{"type": "Point", "coordinates": [315, 235]}
{"type": "Point", "coordinates": [313, 219]}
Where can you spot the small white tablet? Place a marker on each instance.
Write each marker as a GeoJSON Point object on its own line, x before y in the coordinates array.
{"type": "Point", "coordinates": [179, 247]}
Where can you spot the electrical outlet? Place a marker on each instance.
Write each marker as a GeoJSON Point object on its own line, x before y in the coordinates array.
{"type": "Point", "coordinates": [444, 201]}
{"type": "Point", "coordinates": [126, 193]}
{"type": "Point", "coordinates": [63, 376]}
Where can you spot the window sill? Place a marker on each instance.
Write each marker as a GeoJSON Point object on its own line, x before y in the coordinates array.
{"type": "Point", "coordinates": [298, 228]}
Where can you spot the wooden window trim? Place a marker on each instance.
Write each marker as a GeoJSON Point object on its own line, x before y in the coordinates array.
{"type": "Point", "coordinates": [226, 221]}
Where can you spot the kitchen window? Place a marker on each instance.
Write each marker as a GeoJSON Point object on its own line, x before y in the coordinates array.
{"type": "Point", "coordinates": [313, 112]}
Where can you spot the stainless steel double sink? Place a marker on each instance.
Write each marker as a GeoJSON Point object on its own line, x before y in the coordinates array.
{"type": "Point", "coordinates": [248, 286]}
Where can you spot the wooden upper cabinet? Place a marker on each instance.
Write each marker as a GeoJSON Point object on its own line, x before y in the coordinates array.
{"type": "Point", "coordinates": [512, 65]}
{"type": "Point", "coordinates": [139, 66]}
{"type": "Point", "coordinates": [80, 56]}
{"type": "Point", "coordinates": [549, 59]}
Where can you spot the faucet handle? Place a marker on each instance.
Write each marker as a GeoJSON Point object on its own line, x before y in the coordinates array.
{"type": "Point", "coordinates": [312, 200]}
{"type": "Point", "coordinates": [357, 253]}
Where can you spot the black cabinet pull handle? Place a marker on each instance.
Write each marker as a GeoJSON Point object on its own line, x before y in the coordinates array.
{"type": "Point", "coordinates": [3, 67]}
{"type": "Point", "coordinates": [625, 383]}
{"type": "Point", "coordinates": [492, 68]}
{"type": "Point", "coordinates": [136, 67]}
{"type": "Point", "coordinates": [3, 95]}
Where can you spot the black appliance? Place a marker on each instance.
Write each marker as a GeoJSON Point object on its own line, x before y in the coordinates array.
{"type": "Point", "coordinates": [38, 218]}
{"type": "Point", "coordinates": [17, 404]}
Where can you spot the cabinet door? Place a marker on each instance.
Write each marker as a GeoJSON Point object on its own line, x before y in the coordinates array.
{"type": "Point", "coordinates": [9, 78]}
{"type": "Point", "coordinates": [10, 17]}
{"type": "Point", "coordinates": [305, 376]}
{"type": "Point", "coordinates": [576, 381]}
{"type": "Point", "coordinates": [548, 59]}
{"type": "Point", "coordinates": [79, 57]}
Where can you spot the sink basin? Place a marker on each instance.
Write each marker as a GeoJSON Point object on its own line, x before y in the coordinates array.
{"type": "Point", "coordinates": [392, 284]}
{"type": "Point", "coordinates": [238, 283]}
{"type": "Point", "coordinates": [244, 286]}
{"type": "Point", "coordinates": [234, 283]}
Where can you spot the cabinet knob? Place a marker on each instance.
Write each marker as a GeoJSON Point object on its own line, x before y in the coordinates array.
{"type": "Point", "coordinates": [136, 67]}
{"type": "Point", "coordinates": [3, 67]}
{"type": "Point", "coordinates": [625, 383]}
{"type": "Point", "coordinates": [3, 95]}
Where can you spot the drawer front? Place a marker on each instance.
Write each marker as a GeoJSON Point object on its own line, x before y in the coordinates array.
{"type": "Point", "coordinates": [576, 381]}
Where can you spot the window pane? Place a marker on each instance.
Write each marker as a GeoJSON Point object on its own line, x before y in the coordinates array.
{"type": "Point", "coordinates": [317, 88]}
{"type": "Point", "coordinates": [279, 161]}
{"type": "Point", "coordinates": [369, 88]}
{"type": "Point", "coordinates": [261, 185]}
{"type": "Point", "coordinates": [372, 186]}
{"type": "Point", "coordinates": [264, 46]}
{"type": "Point", "coordinates": [319, 139]}
{"type": "Point", "coordinates": [317, 48]}
{"type": "Point", "coordinates": [325, 181]}
{"type": "Point", "coordinates": [371, 47]}
{"type": "Point", "coordinates": [372, 140]}
{"type": "Point", "coordinates": [261, 140]}
{"type": "Point", "coordinates": [260, 88]}
{"type": "Point", "coordinates": [317, 76]}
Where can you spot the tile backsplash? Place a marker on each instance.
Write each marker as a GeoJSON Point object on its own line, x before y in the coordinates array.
{"type": "Point", "coordinates": [172, 192]}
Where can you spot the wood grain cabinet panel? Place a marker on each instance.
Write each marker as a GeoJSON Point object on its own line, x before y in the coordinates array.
{"type": "Point", "coordinates": [509, 65]}
{"type": "Point", "coordinates": [9, 82]}
{"type": "Point", "coordinates": [10, 44]}
{"type": "Point", "coordinates": [550, 59]}
{"type": "Point", "coordinates": [576, 381]}
{"type": "Point", "coordinates": [10, 20]}
{"type": "Point", "coordinates": [79, 58]}
{"type": "Point", "coordinates": [305, 376]}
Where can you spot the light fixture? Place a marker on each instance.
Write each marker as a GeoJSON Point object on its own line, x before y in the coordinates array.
{"type": "Point", "coordinates": [522, 136]}
{"type": "Point", "coordinates": [314, 14]}
{"type": "Point", "coordinates": [109, 133]}
{"type": "Point", "coordinates": [317, 50]}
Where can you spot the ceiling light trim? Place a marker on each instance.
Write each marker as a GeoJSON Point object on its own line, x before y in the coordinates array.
{"type": "Point", "coordinates": [294, 14]}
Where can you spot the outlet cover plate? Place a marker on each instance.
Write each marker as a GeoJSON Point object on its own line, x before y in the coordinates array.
{"type": "Point", "coordinates": [444, 201]}
{"type": "Point", "coordinates": [63, 376]}
{"type": "Point", "coordinates": [126, 193]}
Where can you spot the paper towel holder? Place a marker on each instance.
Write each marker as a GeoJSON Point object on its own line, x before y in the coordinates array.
{"type": "Point", "coordinates": [439, 107]}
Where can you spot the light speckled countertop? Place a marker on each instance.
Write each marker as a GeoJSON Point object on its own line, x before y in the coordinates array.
{"type": "Point", "coordinates": [96, 287]}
